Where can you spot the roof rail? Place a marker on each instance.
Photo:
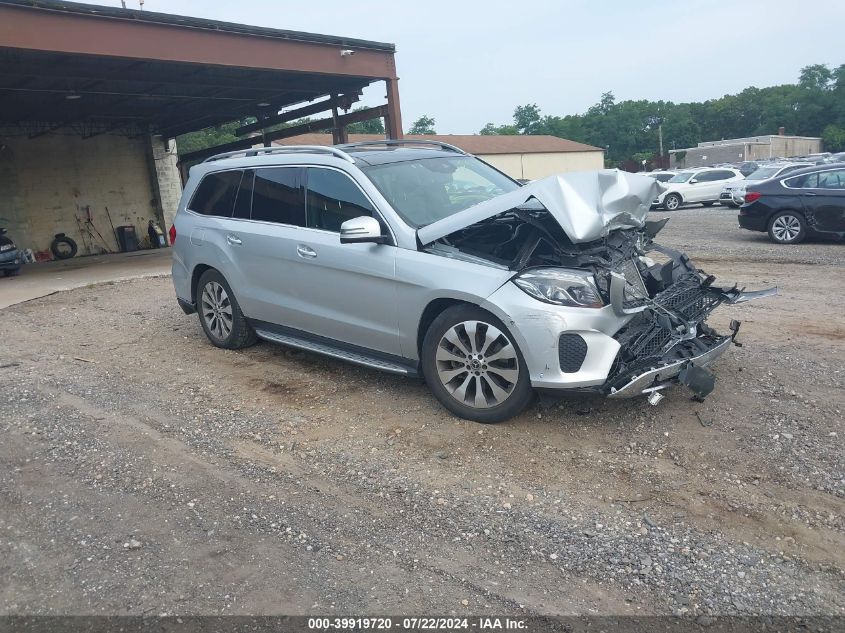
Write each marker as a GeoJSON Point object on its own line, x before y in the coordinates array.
{"type": "Point", "coordinates": [389, 142]}
{"type": "Point", "coordinates": [287, 149]}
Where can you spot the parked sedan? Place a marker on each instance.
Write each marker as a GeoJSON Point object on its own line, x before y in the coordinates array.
{"type": "Point", "coordinates": [809, 202]}
{"type": "Point", "coordinates": [733, 193]}
{"type": "Point", "coordinates": [699, 185]}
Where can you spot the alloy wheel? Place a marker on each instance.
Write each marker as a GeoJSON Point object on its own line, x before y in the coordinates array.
{"type": "Point", "coordinates": [477, 364]}
{"type": "Point", "coordinates": [672, 203]}
{"type": "Point", "coordinates": [216, 310]}
{"type": "Point", "coordinates": [786, 228]}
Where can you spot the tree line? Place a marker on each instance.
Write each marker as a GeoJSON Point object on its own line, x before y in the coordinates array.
{"type": "Point", "coordinates": [628, 130]}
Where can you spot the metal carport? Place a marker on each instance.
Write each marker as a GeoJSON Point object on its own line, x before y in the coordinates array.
{"type": "Point", "coordinates": [90, 97]}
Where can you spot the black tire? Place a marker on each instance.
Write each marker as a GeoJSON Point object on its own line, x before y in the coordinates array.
{"type": "Point", "coordinates": [63, 247]}
{"type": "Point", "coordinates": [12, 272]}
{"type": "Point", "coordinates": [787, 227]}
{"type": "Point", "coordinates": [732, 205]}
{"type": "Point", "coordinates": [673, 202]}
{"type": "Point", "coordinates": [708, 204]}
{"type": "Point", "coordinates": [519, 392]}
{"type": "Point", "coordinates": [240, 333]}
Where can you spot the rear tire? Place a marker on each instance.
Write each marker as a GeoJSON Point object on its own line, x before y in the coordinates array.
{"type": "Point", "coordinates": [474, 367]}
{"type": "Point", "coordinates": [220, 314]}
{"type": "Point", "coordinates": [787, 227]}
{"type": "Point", "coordinates": [672, 202]}
{"type": "Point", "coordinates": [13, 272]}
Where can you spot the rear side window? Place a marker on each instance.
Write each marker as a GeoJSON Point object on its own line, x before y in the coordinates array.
{"type": "Point", "coordinates": [332, 199]}
{"type": "Point", "coordinates": [215, 194]}
{"type": "Point", "coordinates": [706, 176]}
{"type": "Point", "coordinates": [278, 196]}
{"type": "Point", "coordinates": [723, 174]}
{"type": "Point", "coordinates": [805, 181]}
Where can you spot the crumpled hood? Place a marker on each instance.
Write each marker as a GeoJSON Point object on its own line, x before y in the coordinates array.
{"type": "Point", "coordinates": [588, 205]}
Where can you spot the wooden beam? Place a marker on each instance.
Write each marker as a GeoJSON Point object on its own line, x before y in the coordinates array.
{"type": "Point", "coordinates": [290, 115]}
{"type": "Point", "coordinates": [312, 126]}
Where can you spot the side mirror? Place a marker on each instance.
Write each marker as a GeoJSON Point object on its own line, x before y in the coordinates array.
{"type": "Point", "coordinates": [693, 181]}
{"type": "Point", "coordinates": [361, 229]}
{"type": "Point", "coordinates": [2, 231]}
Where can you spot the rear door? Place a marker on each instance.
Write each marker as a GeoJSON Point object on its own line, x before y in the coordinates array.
{"type": "Point", "coordinates": [826, 201]}
{"type": "Point", "coordinates": [346, 292]}
{"type": "Point", "coordinates": [260, 242]}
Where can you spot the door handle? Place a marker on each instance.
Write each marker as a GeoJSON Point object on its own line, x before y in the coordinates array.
{"type": "Point", "coordinates": [306, 251]}
{"type": "Point", "coordinates": [234, 240]}
{"type": "Point", "coordinates": [810, 193]}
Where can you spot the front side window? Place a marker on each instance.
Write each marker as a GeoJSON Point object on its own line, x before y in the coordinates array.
{"type": "Point", "coordinates": [278, 196]}
{"type": "Point", "coordinates": [426, 190]}
{"type": "Point", "coordinates": [684, 176]}
{"type": "Point", "coordinates": [332, 198]}
{"type": "Point", "coordinates": [215, 194]}
{"type": "Point", "coordinates": [832, 179]}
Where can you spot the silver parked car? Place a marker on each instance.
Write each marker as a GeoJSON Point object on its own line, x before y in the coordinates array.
{"type": "Point", "coordinates": [419, 259]}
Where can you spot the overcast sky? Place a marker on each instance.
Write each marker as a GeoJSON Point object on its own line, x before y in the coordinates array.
{"type": "Point", "coordinates": [469, 62]}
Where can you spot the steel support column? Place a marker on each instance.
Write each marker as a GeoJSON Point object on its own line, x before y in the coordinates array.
{"type": "Point", "coordinates": [393, 120]}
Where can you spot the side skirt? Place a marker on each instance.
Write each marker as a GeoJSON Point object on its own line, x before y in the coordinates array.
{"type": "Point", "coordinates": [336, 349]}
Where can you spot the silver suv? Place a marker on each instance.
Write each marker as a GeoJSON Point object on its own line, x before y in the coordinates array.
{"type": "Point", "coordinates": [419, 259]}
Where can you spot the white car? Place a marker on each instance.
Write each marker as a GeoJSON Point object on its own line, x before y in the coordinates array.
{"type": "Point", "coordinates": [696, 185]}
{"type": "Point", "coordinates": [733, 193]}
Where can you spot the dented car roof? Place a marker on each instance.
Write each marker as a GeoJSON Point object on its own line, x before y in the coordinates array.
{"type": "Point", "coordinates": [587, 205]}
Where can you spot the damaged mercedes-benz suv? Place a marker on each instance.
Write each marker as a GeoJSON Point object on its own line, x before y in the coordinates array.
{"type": "Point", "coordinates": [416, 258]}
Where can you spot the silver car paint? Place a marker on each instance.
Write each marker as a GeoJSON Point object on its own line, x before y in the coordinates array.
{"type": "Point", "coordinates": [373, 296]}
{"type": "Point", "coordinates": [587, 205]}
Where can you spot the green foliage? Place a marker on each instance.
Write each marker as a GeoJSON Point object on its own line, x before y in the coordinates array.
{"type": "Point", "coordinates": [490, 130]}
{"type": "Point", "coordinates": [423, 125]}
{"type": "Point", "coordinates": [834, 138]}
{"type": "Point", "coordinates": [373, 126]}
{"type": "Point", "coordinates": [815, 106]}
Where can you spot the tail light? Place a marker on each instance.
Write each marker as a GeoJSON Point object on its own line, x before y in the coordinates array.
{"type": "Point", "coordinates": [172, 234]}
{"type": "Point", "coordinates": [751, 196]}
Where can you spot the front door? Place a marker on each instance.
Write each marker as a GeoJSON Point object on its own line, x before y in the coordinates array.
{"type": "Point", "coordinates": [826, 202]}
{"type": "Point", "coordinates": [346, 292]}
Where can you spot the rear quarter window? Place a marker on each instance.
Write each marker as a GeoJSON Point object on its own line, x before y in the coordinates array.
{"type": "Point", "coordinates": [216, 193]}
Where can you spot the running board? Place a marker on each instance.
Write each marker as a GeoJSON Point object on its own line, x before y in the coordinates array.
{"type": "Point", "coordinates": [336, 352]}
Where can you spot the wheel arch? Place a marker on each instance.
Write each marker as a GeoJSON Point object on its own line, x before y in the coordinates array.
{"type": "Point", "coordinates": [198, 271]}
{"type": "Point", "coordinates": [432, 310]}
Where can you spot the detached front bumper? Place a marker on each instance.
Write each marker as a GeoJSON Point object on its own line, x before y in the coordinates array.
{"type": "Point", "coordinates": [669, 373]}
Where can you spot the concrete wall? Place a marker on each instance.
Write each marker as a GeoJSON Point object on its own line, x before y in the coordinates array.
{"type": "Point", "coordinates": [46, 181]}
{"type": "Point", "coordinates": [742, 149]}
{"type": "Point", "coordinates": [534, 166]}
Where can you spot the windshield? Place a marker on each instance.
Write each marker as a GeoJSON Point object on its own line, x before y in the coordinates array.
{"type": "Point", "coordinates": [682, 177]}
{"type": "Point", "coordinates": [425, 190]}
{"type": "Point", "coordinates": [763, 173]}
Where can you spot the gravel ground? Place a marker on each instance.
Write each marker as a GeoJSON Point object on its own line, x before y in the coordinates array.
{"type": "Point", "coordinates": [143, 471]}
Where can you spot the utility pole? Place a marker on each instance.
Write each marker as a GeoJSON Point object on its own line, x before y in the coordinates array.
{"type": "Point", "coordinates": [660, 136]}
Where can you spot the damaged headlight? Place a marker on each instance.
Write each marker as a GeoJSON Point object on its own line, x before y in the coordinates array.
{"type": "Point", "coordinates": [573, 288]}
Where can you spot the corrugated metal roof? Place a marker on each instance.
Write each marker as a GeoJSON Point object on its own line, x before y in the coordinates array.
{"type": "Point", "coordinates": [472, 143]}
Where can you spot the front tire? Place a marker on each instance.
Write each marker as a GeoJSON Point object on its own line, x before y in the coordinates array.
{"type": "Point", "coordinates": [707, 204]}
{"type": "Point", "coordinates": [474, 367]}
{"type": "Point", "coordinates": [787, 227]}
{"type": "Point", "coordinates": [12, 272]}
{"type": "Point", "coordinates": [220, 315]}
{"type": "Point", "coordinates": [672, 202]}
